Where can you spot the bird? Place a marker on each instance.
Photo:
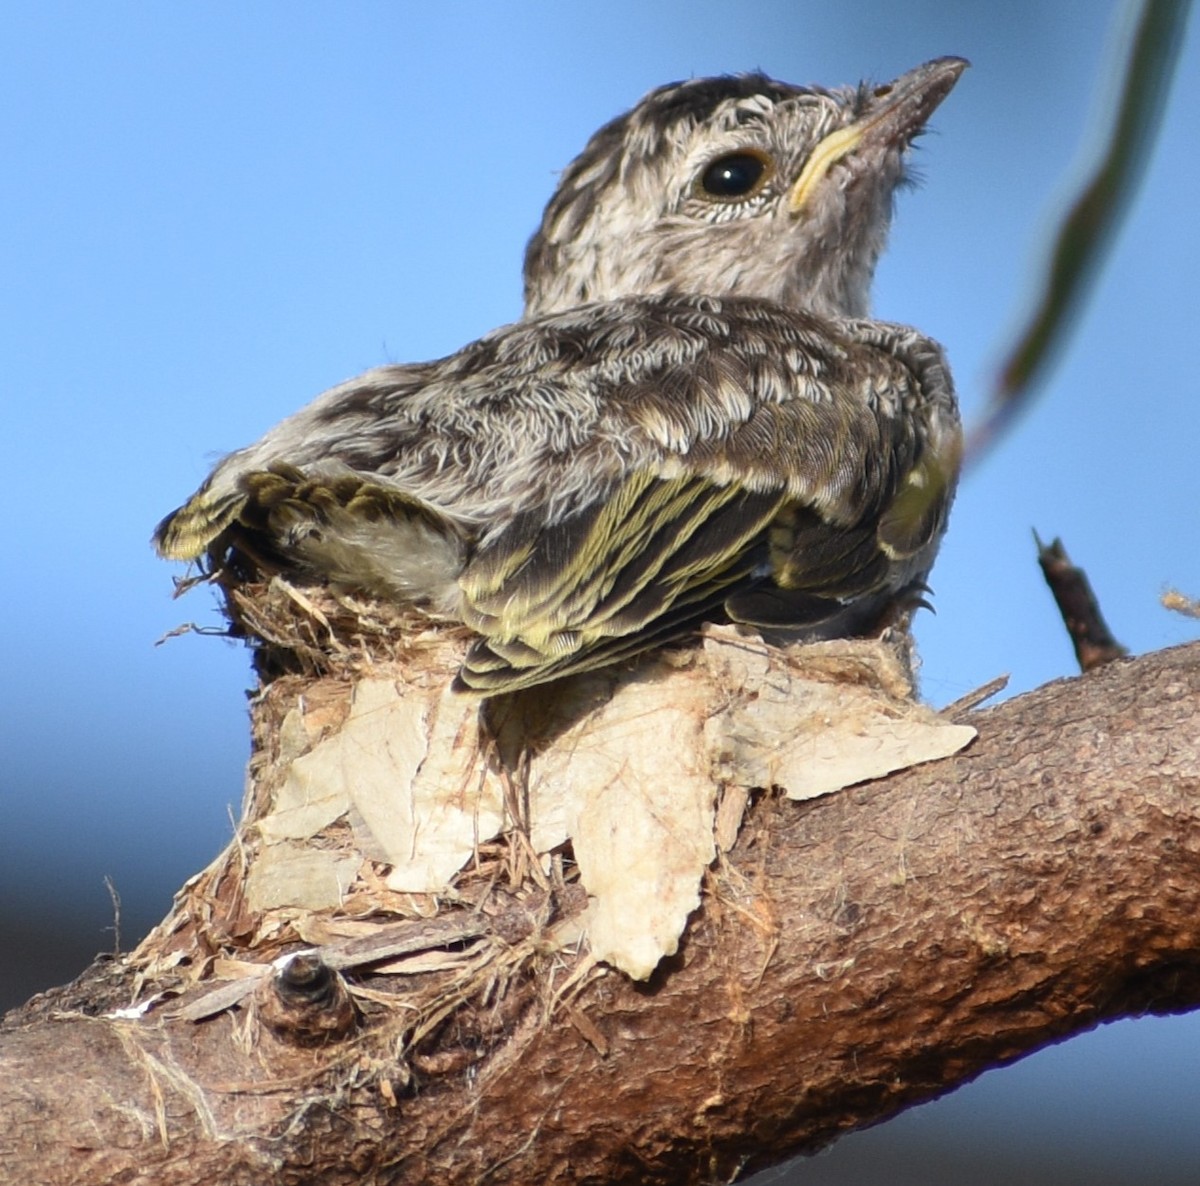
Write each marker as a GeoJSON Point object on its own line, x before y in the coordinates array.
{"type": "Point", "coordinates": [695, 419]}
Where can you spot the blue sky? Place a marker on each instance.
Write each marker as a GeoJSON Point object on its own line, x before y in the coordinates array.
{"type": "Point", "coordinates": [213, 212]}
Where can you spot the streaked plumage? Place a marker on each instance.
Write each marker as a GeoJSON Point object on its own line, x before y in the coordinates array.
{"type": "Point", "coordinates": [696, 420]}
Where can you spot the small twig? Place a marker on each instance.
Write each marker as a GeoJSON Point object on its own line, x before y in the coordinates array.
{"type": "Point", "coordinates": [192, 628]}
{"type": "Point", "coordinates": [116, 902]}
{"type": "Point", "coordinates": [1093, 641]}
{"type": "Point", "coordinates": [973, 699]}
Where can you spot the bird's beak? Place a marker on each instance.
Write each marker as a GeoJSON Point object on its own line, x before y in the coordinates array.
{"type": "Point", "coordinates": [896, 115]}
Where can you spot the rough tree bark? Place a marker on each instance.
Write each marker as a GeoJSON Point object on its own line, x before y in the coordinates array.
{"type": "Point", "coordinates": [852, 955]}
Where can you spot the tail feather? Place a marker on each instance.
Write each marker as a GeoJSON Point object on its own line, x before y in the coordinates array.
{"type": "Point", "coordinates": [346, 529]}
{"type": "Point", "coordinates": [188, 532]}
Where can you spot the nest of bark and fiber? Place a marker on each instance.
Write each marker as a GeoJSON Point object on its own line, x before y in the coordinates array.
{"type": "Point", "coordinates": [502, 944]}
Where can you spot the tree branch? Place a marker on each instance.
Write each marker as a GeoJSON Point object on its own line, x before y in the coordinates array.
{"type": "Point", "coordinates": [852, 955]}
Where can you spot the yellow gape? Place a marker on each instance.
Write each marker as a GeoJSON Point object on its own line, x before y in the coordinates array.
{"type": "Point", "coordinates": [821, 160]}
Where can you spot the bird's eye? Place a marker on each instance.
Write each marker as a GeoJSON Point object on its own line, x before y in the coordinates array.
{"type": "Point", "coordinates": [738, 175]}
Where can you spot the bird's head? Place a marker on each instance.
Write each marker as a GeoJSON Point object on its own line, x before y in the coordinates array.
{"type": "Point", "coordinates": [735, 186]}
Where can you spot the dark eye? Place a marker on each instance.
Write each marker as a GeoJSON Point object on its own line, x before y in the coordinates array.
{"type": "Point", "coordinates": [738, 175]}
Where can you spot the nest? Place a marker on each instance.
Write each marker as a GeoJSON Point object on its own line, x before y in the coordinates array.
{"type": "Point", "coordinates": [446, 862]}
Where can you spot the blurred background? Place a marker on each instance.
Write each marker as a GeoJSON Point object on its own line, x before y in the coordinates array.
{"type": "Point", "coordinates": [212, 212]}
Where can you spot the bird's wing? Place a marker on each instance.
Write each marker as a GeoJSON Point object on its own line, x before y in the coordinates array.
{"type": "Point", "coordinates": [776, 473]}
{"type": "Point", "coordinates": [658, 551]}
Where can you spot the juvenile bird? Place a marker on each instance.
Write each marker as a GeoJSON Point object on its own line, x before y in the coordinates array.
{"type": "Point", "coordinates": [695, 421]}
